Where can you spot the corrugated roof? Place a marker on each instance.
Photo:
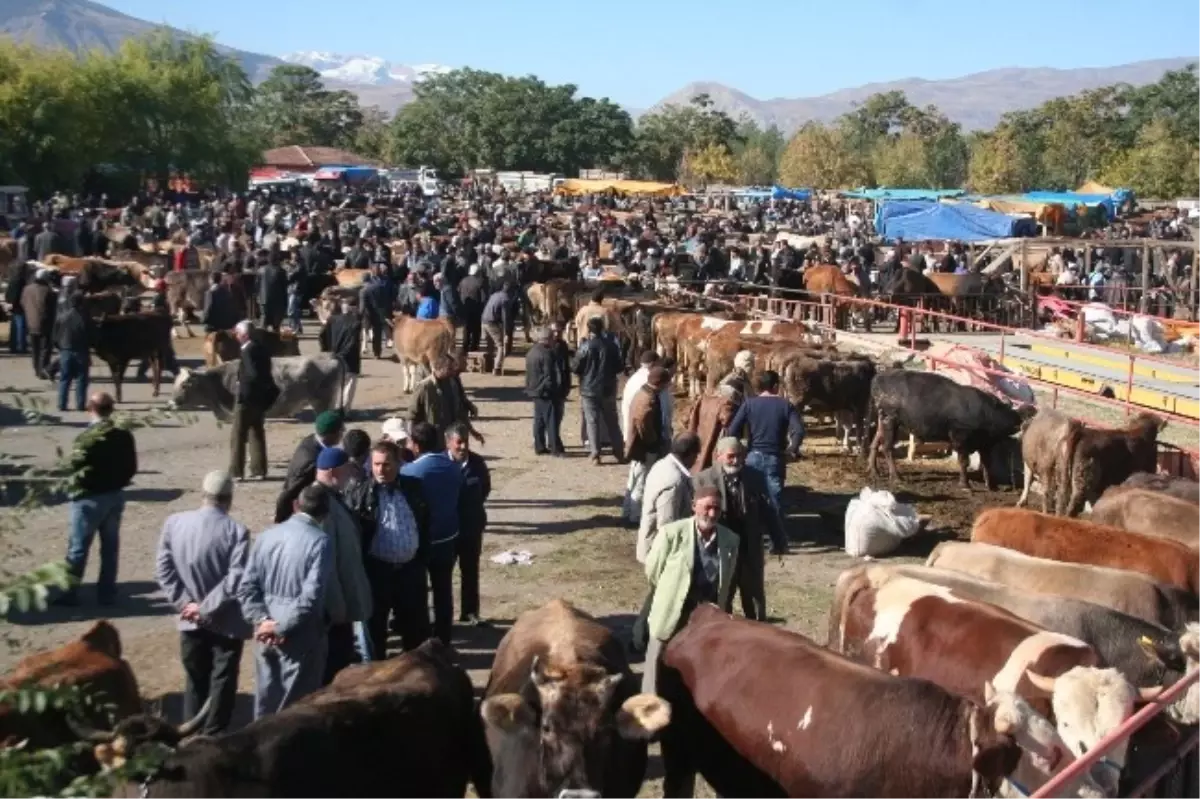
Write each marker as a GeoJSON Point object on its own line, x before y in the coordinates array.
{"type": "Point", "coordinates": [295, 156]}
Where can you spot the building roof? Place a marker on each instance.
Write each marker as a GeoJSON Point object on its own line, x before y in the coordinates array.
{"type": "Point", "coordinates": [298, 157]}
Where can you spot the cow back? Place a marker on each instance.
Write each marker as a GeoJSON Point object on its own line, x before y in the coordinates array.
{"type": "Point", "coordinates": [1148, 513]}
{"type": "Point", "coordinates": [1076, 541]}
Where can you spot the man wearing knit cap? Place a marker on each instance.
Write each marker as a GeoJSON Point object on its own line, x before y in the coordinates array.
{"type": "Point", "coordinates": [201, 557]}
{"type": "Point", "coordinates": [302, 470]}
{"type": "Point", "coordinates": [739, 378]}
{"type": "Point", "coordinates": [348, 596]}
{"type": "Point", "coordinates": [747, 510]}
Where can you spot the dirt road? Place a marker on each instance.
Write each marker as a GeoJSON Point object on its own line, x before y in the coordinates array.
{"type": "Point", "coordinates": [564, 511]}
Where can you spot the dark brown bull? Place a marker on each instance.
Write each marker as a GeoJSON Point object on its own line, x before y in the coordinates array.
{"type": "Point", "coordinates": [121, 339]}
{"type": "Point", "coordinates": [1090, 460]}
{"type": "Point", "coordinates": [401, 727]}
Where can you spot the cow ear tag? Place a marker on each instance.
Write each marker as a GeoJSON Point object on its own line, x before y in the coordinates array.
{"type": "Point", "coordinates": [1148, 647]}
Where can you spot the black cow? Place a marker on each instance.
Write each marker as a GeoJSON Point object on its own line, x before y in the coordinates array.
{"type": "Point", "coordinates": [400, 727]}
{"type": "Point", "coordinates": [935, 408]}
{"type": "Point", "coordinates": [841, 387]}
{"type": "Point", "coordinates": [118, 340]}
{"type": "Point", "coordinates": [562, 712]}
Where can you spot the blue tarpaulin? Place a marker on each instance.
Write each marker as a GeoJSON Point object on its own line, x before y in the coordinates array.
{"type": "Point", "coordinates": [901, 194]}
{"type": "Point", "coordinates": [781, 193]}
{"type": "Point", "coordinates": [921, 221]}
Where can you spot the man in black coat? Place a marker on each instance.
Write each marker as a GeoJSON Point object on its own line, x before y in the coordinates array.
{"type": "Point", "coordinates": [541, 385]}
{"type": "Point", "coordinates": [472, 517]}
{"type": "Point", "coordinates": [342, 337]}
{"type": "Point", "coordinates": [273, 294]}
{"type": "Point", "coordinates": [378, 302]}
{"type": "Point", "coordinates": [219, 311]}
{"type": "Point", "coordinates": [256, 392]}
{"type": "Point", "coordinates": [302, 469]}
{"type": "Point", "coordinates": [472, 294]}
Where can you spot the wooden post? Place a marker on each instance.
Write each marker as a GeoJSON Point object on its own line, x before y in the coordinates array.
{"type": "Point", "coordinates": [1024, 269]}
{"type": "Point", "coordinates": [1144, 302]}
{"type": "Point", "coordinates": [1193, 300]}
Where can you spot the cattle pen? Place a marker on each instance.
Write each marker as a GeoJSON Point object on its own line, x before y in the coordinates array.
{"type": "Point", "coordinates": [1179, 775]}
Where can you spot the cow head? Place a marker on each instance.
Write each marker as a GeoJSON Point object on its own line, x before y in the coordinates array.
{"type": "Point", "coordinates": [555, 739]}
{"type": "Point", "coordinates": [114, 747]}
{"type": "Point", "coordinates": [1043, 751]}
{"type": "Point", "coordinates": [1088, 704]}
{"type": "Point", "coordinates": [1177, 658]}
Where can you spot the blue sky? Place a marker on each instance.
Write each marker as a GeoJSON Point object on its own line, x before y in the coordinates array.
{"type": "Point", "coordinates": [637, 52]}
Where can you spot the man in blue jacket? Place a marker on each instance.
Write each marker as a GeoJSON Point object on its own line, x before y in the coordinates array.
{"type": "Point", "coordinates": [441, 485]}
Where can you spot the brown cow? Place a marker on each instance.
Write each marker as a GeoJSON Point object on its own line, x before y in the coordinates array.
{"type": "Point", "coordinates": [94, 664]}
{"type": "Point", "coordinates": [1124, 591]}
{"type": "Point", "coordinates": [718, 349]}
{"type": "Point", "coordinates": [689, 333]}
{"type": "Point", "coordinates": [1040, 441]}
{"type": "Point", "coordinates": [1178, 487]}
{"type": "Point", "coordinates": [1090, 460]}
{"type": "Point", "coordinates": [916, 629]}
{"type": "Point", "coordinates": [761, 711]}
{"type": "Point", "coordinates": [220, 346]}
{"type": "Point", "coordinates": [418, 342]}
{"type": "Point", "coordinates": [350, 278]}
{"type": "Point", "coordinates": [562, 709]}
{"type": "Point", "coordinates": [1149, 513]}
{"type": "Point", "coordinates": [1076, 541]}
{"type": "Point", "coordinates": [185, 294]}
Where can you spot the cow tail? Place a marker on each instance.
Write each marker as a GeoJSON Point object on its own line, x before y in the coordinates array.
{"type": "Point", "coordinates": [871, 420]}
{"type": "Point", "coordinates": [1064, 467]}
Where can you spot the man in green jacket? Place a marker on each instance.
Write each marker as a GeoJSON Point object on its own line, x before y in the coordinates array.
{"type": "Point", "coordinates": [692, 561]}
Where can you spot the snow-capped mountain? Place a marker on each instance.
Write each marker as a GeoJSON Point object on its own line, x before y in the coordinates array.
{"type": "Point", "coordinates": [363, 70]}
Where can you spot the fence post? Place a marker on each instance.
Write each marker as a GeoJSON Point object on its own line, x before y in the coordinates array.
{"type": "Point", "coordinates": [1054, 398]}
{"type": "Point", "coordinates": [1129, 387]}
{"type": "Point", "coordinates": [1144, 302]}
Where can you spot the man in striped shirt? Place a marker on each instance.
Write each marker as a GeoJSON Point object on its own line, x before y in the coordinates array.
{"type": "Point", "coordinates": [395, 522]}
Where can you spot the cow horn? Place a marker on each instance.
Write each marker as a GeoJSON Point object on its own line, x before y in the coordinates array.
{"type": "Point", "coordinates": [86, 732]}
{"type": "Point", "coordinates": [1151, 693]}
{"type": "Point", "coordinates": [1041, 682]}
{"type": "Point", "coordinates": [535, 672]}
{"type": "Point", "coordinates": [193, 724]}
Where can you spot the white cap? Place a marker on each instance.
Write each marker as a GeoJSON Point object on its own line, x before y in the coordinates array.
{"type": "Point", "coordinates": [217, 483]}
{"type": "Point", "coordinates": [395, 429]}
{"type": "Point", "coordinates": [744, 359]}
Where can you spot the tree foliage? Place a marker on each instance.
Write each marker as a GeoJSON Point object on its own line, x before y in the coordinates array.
{"type": "Point", "coordinates": [663, 136]}
{"type": "Point", "coordinates": [292, 106]}
{"type": "Point", "coordinates": [468, 118]}
{"type": "Point", "coordinates": [821, 156]}
{"type": "Point", "coordinates": [711, 163]}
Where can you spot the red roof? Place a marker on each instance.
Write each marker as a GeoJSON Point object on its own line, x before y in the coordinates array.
{"type": "Point", "coordinates": [305, 158]}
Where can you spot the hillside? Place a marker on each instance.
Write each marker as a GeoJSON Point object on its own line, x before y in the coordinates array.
{"type": "Point", "coordinates": [975, 101]}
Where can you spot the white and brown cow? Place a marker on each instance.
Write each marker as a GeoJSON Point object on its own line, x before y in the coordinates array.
{"type": "Point", "coordinates": [917, 629]}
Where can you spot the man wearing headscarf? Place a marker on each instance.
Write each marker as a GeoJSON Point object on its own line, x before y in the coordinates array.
{"type": "Point", "coordinates": [747, 510]}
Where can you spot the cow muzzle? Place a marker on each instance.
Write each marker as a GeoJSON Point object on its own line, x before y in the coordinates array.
{"type": "Point", "coordinates": [578, 793]}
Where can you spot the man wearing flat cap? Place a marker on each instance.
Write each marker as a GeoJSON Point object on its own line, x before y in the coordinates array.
{"type": "Point", "coordinates": [302, 470]}
{"type": "Point", "coordinates": [746, 510]}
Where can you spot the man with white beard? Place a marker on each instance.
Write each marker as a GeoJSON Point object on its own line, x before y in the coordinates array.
{"type": "Point", "coordinates": [747, 510]}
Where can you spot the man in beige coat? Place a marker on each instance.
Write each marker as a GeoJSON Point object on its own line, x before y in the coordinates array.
{"type": "Point", "coordinates": [668, 491]}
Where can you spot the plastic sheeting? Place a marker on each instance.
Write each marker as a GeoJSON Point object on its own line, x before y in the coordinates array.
{"type": "Point", "coordinates": [781, 193]}
{"type": "Point", "coordinates": [923, 221]}
{"type": "Point", "coordinates": [902, 194]}
{"type": "Point", "coordinates": [967, 367]}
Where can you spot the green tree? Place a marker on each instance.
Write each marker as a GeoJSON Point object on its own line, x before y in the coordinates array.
{"type": "Point", "coordinates": [995, 166]}
{"type": "Point", "coordinates": [293, 107]}
{"type": "Point", "coordinates": [371, 139]}
{"type": "Point", "coordinates": [901, 162]}
{"type": "Point", "coordinates": [821, 157]}
{"type": "Point", "coordinates": [468, 118]}
{"type": "Point", "coordinates": [663, 136]}
{"type": "Point", "coordinates": [1161, 164]}
{"type": "Point", "coordinates": [711, 163]}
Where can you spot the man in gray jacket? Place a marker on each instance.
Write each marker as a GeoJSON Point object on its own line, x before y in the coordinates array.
{"type": "Point", "coordinates": [348, 596]}
{"type": "Point", "coordinates": [201, 556]}
{"type": "Point", "coordinates": [283, 596]}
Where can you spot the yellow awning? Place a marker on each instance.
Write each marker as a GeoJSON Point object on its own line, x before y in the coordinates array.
{"type": "Point", "coordinates": [577, 186]}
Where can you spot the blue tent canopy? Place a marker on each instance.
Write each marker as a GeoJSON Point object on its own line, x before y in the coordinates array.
{"type": "Point", "coordinates": [921, 221]}
{"type": "Point", "coordinates": [781, 193]}
{"type": "Point", "coordinates": [901, 194]}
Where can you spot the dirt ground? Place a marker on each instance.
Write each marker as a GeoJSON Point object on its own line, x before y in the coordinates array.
{"type": "Point", "coordinates": [563, 511]}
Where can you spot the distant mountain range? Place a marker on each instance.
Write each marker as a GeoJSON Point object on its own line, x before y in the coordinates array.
{"type": "Point", "coordinates": [975, 101]}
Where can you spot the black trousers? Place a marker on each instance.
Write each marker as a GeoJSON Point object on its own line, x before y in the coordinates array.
{"type": "Point", "coordinates": [341, 651]}
{"type": "Point", "coordinates": [399, 589]}
{"type": "Point", "coordinates": [547, 425]}
{"type": "Point", "coordinates": [248, 428]}
{"type": "Point", "coordinates": [470, 548]}
{"type": "Point", "coordinates": [40, 350]}
{"type": "Point", "coordinates": [472, 312]}
{"type": "Point", "coordinates": [210, 662]}
{"type": "Point", "coordinates": [376, 325]}
{"type": "Point", "coordinates": [441, 581]}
